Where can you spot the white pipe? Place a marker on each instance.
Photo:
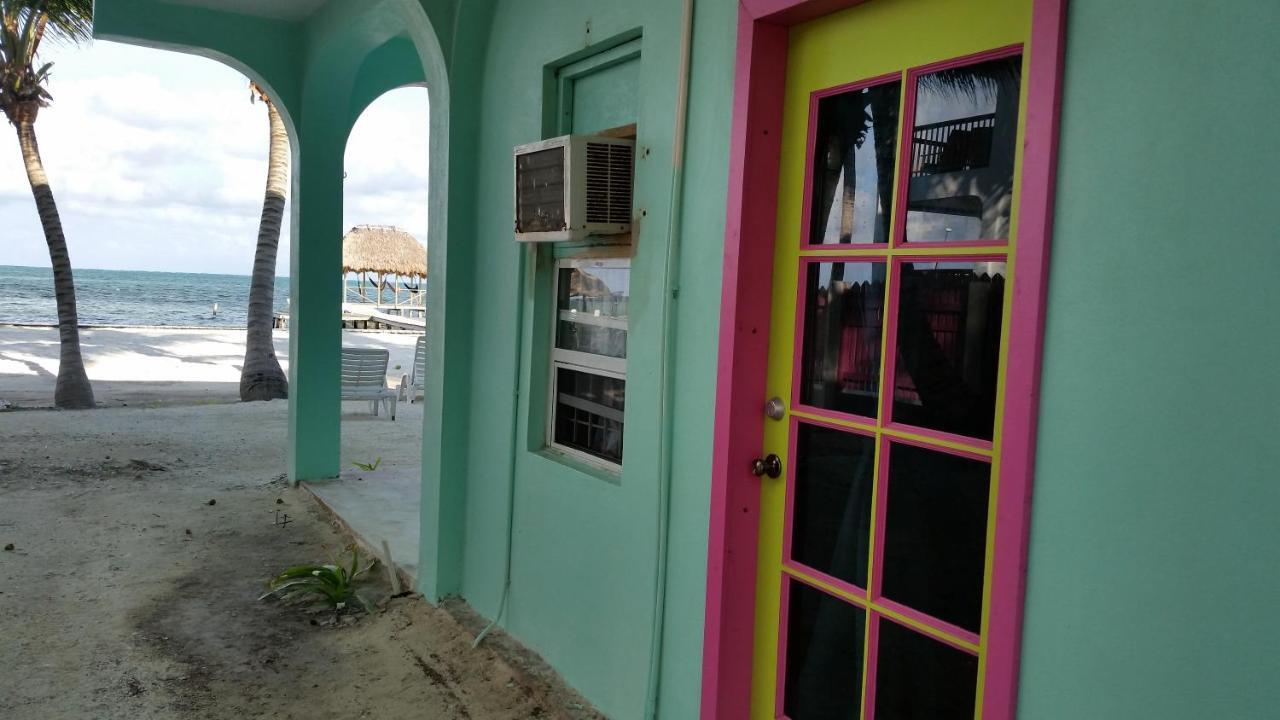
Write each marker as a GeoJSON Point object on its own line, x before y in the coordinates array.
{"type": "Point", "coordinates": [671, 291]}
{"type": "Point", "coordinates": [511, 467]}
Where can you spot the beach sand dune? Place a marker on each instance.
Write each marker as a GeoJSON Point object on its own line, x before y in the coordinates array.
{"type": "Point", "coordinates": [156, 365]}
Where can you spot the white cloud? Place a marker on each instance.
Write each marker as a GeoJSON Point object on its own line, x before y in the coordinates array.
{"type": "Point", "coordinates": [386, 164]}
{"type": "Point", "coordinates": [158, 162]}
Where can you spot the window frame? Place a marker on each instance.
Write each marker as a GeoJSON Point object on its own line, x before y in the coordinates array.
{"type": "Point", "coordinates": [590, 363]}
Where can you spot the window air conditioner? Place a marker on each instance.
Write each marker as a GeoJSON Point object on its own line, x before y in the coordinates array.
{"type": "Point", "coordinates": [573, 187]}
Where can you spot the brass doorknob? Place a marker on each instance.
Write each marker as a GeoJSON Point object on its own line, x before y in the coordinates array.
{"type": "Point", "coordinates": [770, 465]}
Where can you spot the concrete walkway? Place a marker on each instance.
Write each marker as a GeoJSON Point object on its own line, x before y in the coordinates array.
{"type": "Point", "coordinates": [376, 506]}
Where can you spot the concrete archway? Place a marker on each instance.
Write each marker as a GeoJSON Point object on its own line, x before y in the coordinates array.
{"type": "Point", "coordinates": [323, 64]}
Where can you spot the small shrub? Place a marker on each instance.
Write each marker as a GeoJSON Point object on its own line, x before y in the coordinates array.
{"type": "Point", "coordinates": [330, 585]}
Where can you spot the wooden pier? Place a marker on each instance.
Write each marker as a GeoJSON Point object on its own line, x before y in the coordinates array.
{"type": "Point", "coordinates": [357, 316]}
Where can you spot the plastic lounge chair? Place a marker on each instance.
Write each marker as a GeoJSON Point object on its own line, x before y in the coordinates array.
{"type": "Point", "coordinates": [411, 386]}
{"type": "Point", "coordinates": [364, 377]}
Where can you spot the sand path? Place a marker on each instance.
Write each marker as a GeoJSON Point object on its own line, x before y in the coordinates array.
{"type": "Point", "coordinates": [128, 595]}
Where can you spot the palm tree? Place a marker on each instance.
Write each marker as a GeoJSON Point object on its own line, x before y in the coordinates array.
{"type": "Point", "coordinates": [23, 24]}
{"type": "Point", "coordinates": [261, 377]}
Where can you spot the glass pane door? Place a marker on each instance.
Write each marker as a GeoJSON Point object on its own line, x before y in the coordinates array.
{"type": "Point", "coordinates": [895, 231]}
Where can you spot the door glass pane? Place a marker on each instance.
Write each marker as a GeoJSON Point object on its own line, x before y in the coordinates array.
{"type": "Point", "coordinates": [919, 678]}
{"type": "Point", "coordinates": [831, 520]}
{"type": "Point", "coordinates": [963, 144]}
{"type": "Point", "coordinates": [589, 411]}
{"type": "Point", "coordinates": [855, 144]}
{"type": "Point", "coordinates": [591, 310]}
{"type": "Point", "coordinates": [935, 534]}
{"type": "Point", "coordinates": [824, 656]}
{"type": "Point", "coordinates": [840, 361]}
{"type": "Point", "coordinates": [949, 317]}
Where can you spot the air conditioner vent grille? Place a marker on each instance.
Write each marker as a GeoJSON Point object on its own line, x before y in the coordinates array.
{"type": "Point", "coordinates": [540, 191]}
{"type": "Point", "coordinates": [609, 183]}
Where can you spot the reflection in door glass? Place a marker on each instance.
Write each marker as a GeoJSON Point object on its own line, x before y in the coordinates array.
{"type": "Point", "coordinates": [831, 519]}
{"type": "Point", "coordinates": [962, 153]}
{"type": "Point", "coordinates": [855, 144]}
{"type": "Point", "coordinates": [918, 678]}
{"type": "Point", "coordinates": [935, 534]}
{"type": "Point", "coordinates": [843, 316]}
{"type": "Point", "coordinates": [824, 656]}
{"type": "Point", "coordinates": [949, 317]}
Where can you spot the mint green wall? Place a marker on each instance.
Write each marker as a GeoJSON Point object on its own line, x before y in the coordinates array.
{"type": "Point", "coordinates": [606, 98]}
{"type": "Point", "coordinates": [1154, 575]}
{"type": "Point", "coordinates": [586, 543]}
{"type": "Point", "coordinates": [696, 346]}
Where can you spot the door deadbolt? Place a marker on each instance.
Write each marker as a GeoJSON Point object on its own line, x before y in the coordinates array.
{"type": "Point", "coordinates": [774, 409]}
{"type": "Point", "coordinates": [770, 465]}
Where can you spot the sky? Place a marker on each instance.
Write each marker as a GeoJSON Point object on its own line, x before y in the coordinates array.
{"type": "Point", "coordinates": [158, 161]}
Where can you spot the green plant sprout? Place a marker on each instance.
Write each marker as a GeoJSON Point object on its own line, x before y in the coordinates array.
{"type": "Point", "coordinates": [369, 467]}
{"type": "Point", "coordinates": [331, 585]}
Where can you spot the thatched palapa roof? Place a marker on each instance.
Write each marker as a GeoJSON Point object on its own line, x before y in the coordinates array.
{"type": "Point", "coordinates": [383, 249]}
{"type": "Point", "coordinates": [587, 285]}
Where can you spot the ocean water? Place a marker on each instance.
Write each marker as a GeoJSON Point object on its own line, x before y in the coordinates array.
{"type": "Point", "coordinates": [127, 297]}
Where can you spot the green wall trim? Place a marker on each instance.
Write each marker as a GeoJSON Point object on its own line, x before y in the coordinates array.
{"type": "Point", "coordinates": [566, 73]}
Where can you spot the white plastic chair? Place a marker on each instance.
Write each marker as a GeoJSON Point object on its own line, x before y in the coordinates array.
{"type": "Point", "coordinates": [364, 377]}
{"type": "Point", "coordinates": [411, 385]}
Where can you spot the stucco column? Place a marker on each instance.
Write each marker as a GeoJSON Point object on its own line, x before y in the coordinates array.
{"type": "Point", "coordinates": [315, 328]}
{"type": "Point", "coordinates": [450, 287]}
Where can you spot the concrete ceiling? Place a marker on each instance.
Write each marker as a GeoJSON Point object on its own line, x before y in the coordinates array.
{"type": "Point", "coordinates": [275, 9]}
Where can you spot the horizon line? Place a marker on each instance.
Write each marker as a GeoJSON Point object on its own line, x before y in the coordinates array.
{"type": "Point", "coordinates": [170, 272]}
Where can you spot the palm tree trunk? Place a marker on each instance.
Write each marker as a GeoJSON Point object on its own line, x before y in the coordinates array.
{"type": "Point", "coordinates": [73, 390]}
{"type": "Point", "coordinates": [261, 377]}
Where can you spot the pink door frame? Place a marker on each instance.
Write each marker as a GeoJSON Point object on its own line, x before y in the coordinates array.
{"type": "Point", "coordinates": [759, 84]}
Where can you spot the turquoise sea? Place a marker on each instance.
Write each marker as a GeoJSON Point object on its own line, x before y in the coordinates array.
{"type": "Point", "coordinates": [128, 297]}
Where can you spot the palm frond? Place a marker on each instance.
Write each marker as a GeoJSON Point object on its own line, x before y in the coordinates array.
{"type": "Point", "coordinates": [24, 24]}
{"type": "Point", "coordinates": [68, 21]}
{"type": "Point", "coordinates": [971, 81]}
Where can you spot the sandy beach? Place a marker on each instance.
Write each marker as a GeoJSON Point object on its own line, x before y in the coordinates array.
{"type": "Point", "coordinates": [138, 540]}
{"type": "Point", "coordinates": [139, 535]}
{"type": "Point", "coordinates": [156, 365]}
